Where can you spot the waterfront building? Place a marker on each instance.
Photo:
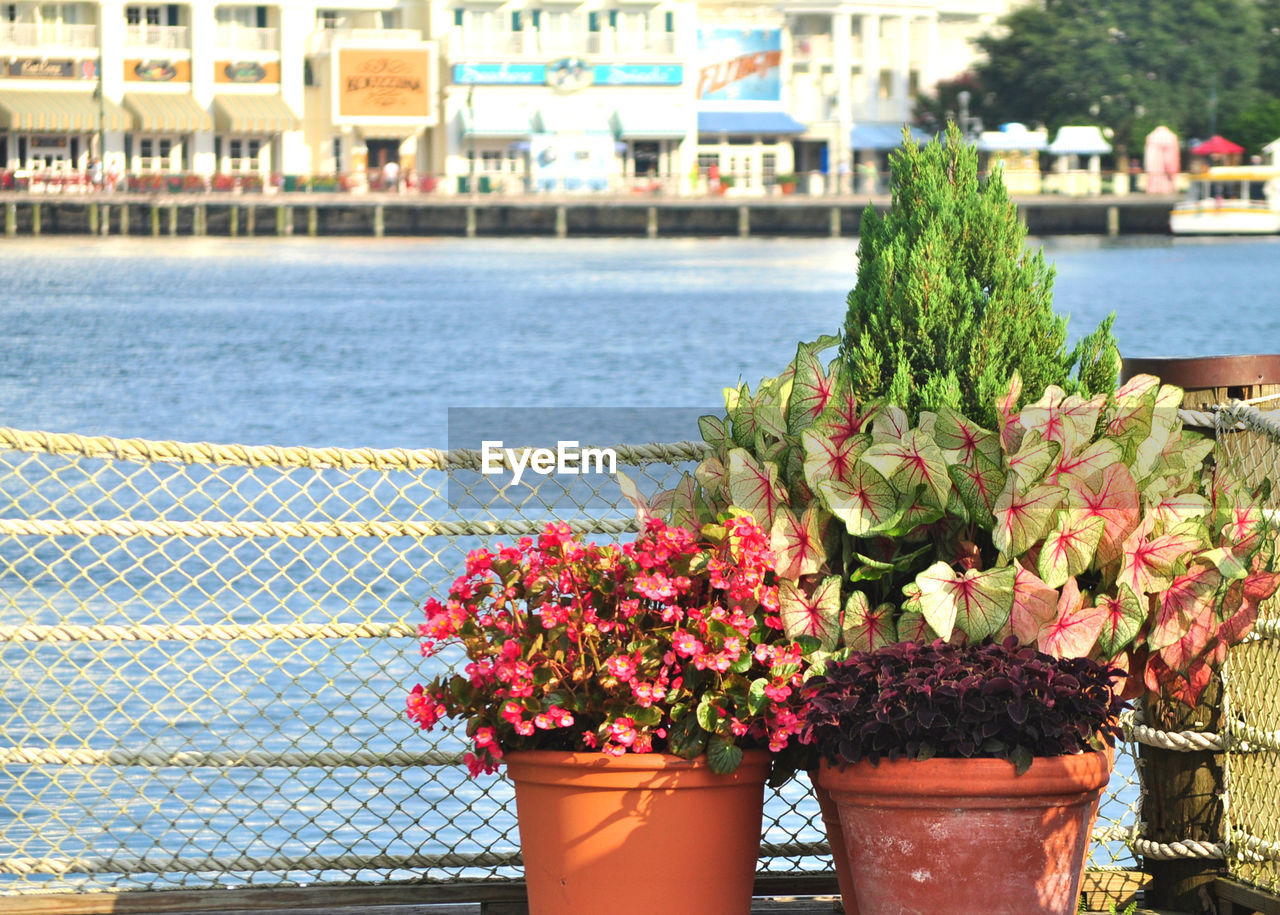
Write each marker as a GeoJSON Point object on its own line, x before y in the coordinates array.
{"type": "Point", "coordinates": [479, 95]}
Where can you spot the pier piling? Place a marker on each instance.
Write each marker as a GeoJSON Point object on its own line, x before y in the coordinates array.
{"type": "Point", "coordinates": [651, 222]}
{"type": "Point", "coordinates": [471, 222]}
{"type": "Point", "coordinates": [35, 219]}
{"type": "Point", "coordinates": [562, 222]}
{"type": "Point", "coordinates": [744, 222]}
{"type": "Point", "coordinates": [1113, 221]}
{"type": "Point", "coordinates": [834, 222]}
{"type": "Point", "coordinates": [379, 221]}
{"type": "Point", "coordinates": [313, 221]}
{"type": "Point", "coordinates": [11, 219]}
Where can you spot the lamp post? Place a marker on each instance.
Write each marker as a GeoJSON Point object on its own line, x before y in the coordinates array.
{"type": "Point", "coordinates": [102, 117]}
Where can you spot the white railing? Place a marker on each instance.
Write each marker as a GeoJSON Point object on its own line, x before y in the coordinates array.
{"type": "Point", "coordinates": [47, 34]}
{"type": "Point", "coordinates": [170, 37]}
{"type": "Point", "coordinates": [573, 42]}
{"type": "Point", "coordinates": [644, 42]}
{"type": "Point", "coordinates": [232, 37]}
{"type": "Point", "coordinates": [321, 40]}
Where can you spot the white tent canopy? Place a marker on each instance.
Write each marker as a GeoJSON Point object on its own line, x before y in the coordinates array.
{"type": "Point", "coordinates": [1079, 141]}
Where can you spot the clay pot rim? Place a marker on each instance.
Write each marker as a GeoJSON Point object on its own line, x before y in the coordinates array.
{"type": "Point", "coordinates": [949, 777]}
{"type": "Point", "coordinates": [1196, 372]}
{"type": "Point", "coordinates": [553, 766]}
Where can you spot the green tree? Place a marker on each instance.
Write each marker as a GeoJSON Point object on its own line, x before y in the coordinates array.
{"type": "Point", "coordinates": [949, 302]}
{"type": "Point", "coordinates": [1124, 64]}
{"type": "Point", "coordinates": [1255, 126]}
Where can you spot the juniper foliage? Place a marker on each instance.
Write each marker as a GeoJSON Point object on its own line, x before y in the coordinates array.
{"type": "Point", "coordinates": [949, 302]}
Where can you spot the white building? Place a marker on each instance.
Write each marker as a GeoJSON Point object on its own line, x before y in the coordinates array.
{"type": "Point", "coordinates": [513, 94]}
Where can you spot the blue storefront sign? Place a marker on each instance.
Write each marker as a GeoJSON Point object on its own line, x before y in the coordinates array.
{"type": "Point", "coordinates": [500, 74]}
{"type": "Point", "coordinates": [740, 64]}
{"type": "Point", "coordinates": [639, 74]}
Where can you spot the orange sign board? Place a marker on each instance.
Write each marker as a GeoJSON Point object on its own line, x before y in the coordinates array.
{"type": "Point", "coordinates": [385, 83]}
{"type": "Point", "coordinates": [157, 71]}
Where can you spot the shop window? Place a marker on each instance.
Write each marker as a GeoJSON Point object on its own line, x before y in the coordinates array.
{"type": "Point", "coordinates": [491, 160]}
{"type": "Point", "coordinates": [706, 161]}
{"type": "Point", "coordinates": [11, 12]}
{"type": "Point", "coordinates": [142, 15]}
{"type": "Point", "coordinates": [768, 168]}
{"type": "Point", "coordinates": [613, 19]}
{"type": "Point", "coordinates": [457, 17]}
{"type": "Point", "coordinates": [243, 155]}
{"type": "Point", "coordinates": [670, 20]}
{"type": "Point", "coordinates": [537, 18]}
{"type": "Point", "coordinates": [593, 21]}
{"type": "Point", "coordinates": [328, 19]}
{"type": "Point", "coordinates": [517, 23]}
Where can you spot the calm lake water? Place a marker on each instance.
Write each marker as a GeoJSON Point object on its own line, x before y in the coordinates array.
{"type": "Point", "coordinates": [368, 343]}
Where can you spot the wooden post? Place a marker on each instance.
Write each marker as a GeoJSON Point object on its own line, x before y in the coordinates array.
{"type": "Point", "coordinates": [35, 219]}
{"type": "Point", "coordinates": [233, 220]}
{"type": "Point", "coordinates": [744, 222]}
{"type": "Point", "coordinates": [1113, 220]}
{"type": "Point", "coordinates": [313, 221]}
{"type": "Point", "coordinates": [471, 222]}
{"type": "Point", "coordinates": [379, 220]}
{"type": "Point", "coordinates": [106, 218]}
{"type": "Point", "coordinates": [93, 219]}
{"type": "Point", "coordinates": [250, 219]}
{"type": "Point", "coordinates": [562, 222]}
{"type": "Point", "coordinates": [284, 220]}
{"type": "Point", "coordinates": [834, 222]}
{"type": "Point", "coordinates": [651, 222]}
{"type": "Point", "coordinates": [124, 219]}
{"type": "Point", "coordinates": [198, 224]}
{"type": "Point", "coordinates": [173, 219]}
{"type": "Point", "coordinates": [155, 219]}
{"type": "Point", "coordinates": [11, 219]}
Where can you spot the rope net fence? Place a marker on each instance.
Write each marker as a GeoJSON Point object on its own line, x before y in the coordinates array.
{"type": "Point", "coordinates": [205, 651]}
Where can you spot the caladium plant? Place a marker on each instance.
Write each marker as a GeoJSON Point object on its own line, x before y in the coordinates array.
{"type": "Point", "coordinates": [1086, 527]}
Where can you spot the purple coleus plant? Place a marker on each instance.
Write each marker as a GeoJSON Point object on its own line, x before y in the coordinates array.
{"type": "Point", "coordinates": [1083, 527]}
{"type": "Point", "coordinates": [977, 700]}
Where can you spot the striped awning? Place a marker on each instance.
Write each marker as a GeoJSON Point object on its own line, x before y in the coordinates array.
{"type": "Point", "coordinates": [252, 113]}
{"type": "Point", "coordinates": [166, 112]}
{"type": "Point", "coordinates": [59, 112]}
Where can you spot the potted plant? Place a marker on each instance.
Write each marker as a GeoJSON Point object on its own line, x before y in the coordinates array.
{"type": "Point", "coordinates": [964, 772]}
{"type": "Point", "coordinates": [915, 489]}
{"type": "Point", "coordinates": [786, 183]}
{"type": "Point", "coordinates": [633, 691]}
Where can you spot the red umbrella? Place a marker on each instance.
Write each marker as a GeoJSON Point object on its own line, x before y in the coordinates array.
{"type": "Point", "coordinates": [1217, 146]}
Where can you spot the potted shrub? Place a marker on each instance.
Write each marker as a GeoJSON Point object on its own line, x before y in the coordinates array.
{"type": "Point", "coordinates": [633, 691]}
{"type": "Point", "coordinates": [786, 183]}
{"type": "Point", "coordinates": [915, 487]}
{"type": "Point", "coordinates": [964, 772]}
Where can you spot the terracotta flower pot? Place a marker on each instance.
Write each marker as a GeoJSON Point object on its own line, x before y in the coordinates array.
{"type": "Point", "coordinates": [943, 835]}
{"type": "Point", "coordinates": [835, 838]}
{"type": "Point", "coordinates": [640, 833]}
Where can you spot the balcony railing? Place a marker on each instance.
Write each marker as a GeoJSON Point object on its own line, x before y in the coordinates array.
{"type": "Point", "coordinates": [47, 34]}
{"type": "Point", "coordinates": [231, 37]}
{"type": "Point", "coordinates": [543, 41]}
{"type": "Point", "coordinates": [169, 37]}
{"type": "Point", "coordinates": [321, 40]}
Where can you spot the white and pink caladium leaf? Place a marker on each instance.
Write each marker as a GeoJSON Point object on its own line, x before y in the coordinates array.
{"type": "Point", "coordinates": [979, 485]}
{"type": "Point", "coordinates": [797, 542]}
{"type": "Point", "coordinates": [911, 461]}
{"type": "Point", "coordinates": [1069, 420]}
{"type": "Point", "coordinates": [864, 628]}
{"type": "Point", "coordinates": [1030, 463]}
{"type": "Point", "coordinates": [811, 391]}
{"type": "Point", "coordinates": [1178, 508]}
{"type": "Point", "coordinates": [1125, 614]}
{"type": "Point", "coordinates": [1084, 463]}
{"type": "Point", "coordinates": [1022, 518]}
{"type": "Point", "coordinates": [1165, 426]}
{"type": "Point", "coordinates": [1129, 422]}
{"type": "Point", "coordinates": [1186, 608]}
{"type": "Point", "coordinates": [713, 477]}
{"type": "Point", "coordinates": [815, 615]}
{"type": "Point", "coordinates": [962, 440]}
{"type": "Point", "coordinates": [1112, 496]}
{"type": "Point", "coordinates": [828, 458]}
{"type": "Point", "coordinates": [754, 487]}
{"type": "Point", "coordinates": [714, 432]}
{"type": "Point", "coordinates": [741, 407]}
{"type": "Point", "coordinates": [1011, 429]}
{"type": "Point", "coordinates": [1069, 547]}
{"type": "Point", "coordinates": [645, 510]}
{"type": "Point", "coordinates": [913, 628]}
{"type": "Point", "coordinates": [844, 417]}
{"type": "Point", "coordinates": [1074, 631]}
{"type": "Point", "coordinates": [1147, 562]}
{"type": "Point", "coordinates": [769, 421]}
{"type": "Point", "coordinates": [890, 424]}
{"type": "Point", "coordinates": [1034, 605]}
{"type": "Point", "coordinates": [684, 504]}
{"type": "Point", "coordinates": [976, 603]}
{"type": "Point", "coordinates": [865, 502]}
{"type": "Point", "coordinates": [1240, 605]}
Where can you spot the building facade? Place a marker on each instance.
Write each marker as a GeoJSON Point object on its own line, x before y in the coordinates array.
{"type": "Point", "coordinates": [474, 95]}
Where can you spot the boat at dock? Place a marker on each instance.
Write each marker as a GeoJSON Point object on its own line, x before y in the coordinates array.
{"type": "Point", "coordinates": [1230, 200]}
